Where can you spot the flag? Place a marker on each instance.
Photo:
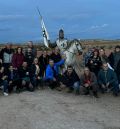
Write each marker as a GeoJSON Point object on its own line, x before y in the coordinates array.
{"type": "Point", "coordinates": [46, 38]}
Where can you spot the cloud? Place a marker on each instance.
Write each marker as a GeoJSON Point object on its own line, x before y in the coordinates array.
{"type": "Point", "coordinates": [98, 26]}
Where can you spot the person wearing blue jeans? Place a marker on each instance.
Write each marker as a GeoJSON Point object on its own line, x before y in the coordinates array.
{"type": "Point", "coordinates": [52, 73]}
{"type": "Point", "coordinates": [107, 79]}
{"type": "Point", "coordinates": [35, 74]}
{"type": "Point", "coordinates": [3, 81]}
{"type": "Point", "coordinates": [88, 82]}
{"type": "Point", "coordinates": [71, 80]}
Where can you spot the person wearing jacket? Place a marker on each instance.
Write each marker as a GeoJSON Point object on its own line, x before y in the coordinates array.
{"type": "Point", "coordinates": [43, 62]}
{"type": "Point", "coordinates": [18, 58]}
{"type": "Point", "coordinates": [6, 55]}
{"type": "Point", "coordinates": [107, 79]}
{"type": "Point", "coordinates": [13, 79]}
{"type": "Point", "coordinates": [118, 71]}
{"type": "Point", "coordinates": [24, 76]}
{"type": "Point", "coordinates": [114, 57]}
{"type": "Point", "coordinates": [71, 80]}
{"type": "Point", "coordinates": [35, 73]}
{"type": "Point", "coordinates": [29, 57]}
{"type": "Point", "coordinates": [56, 56]}
{"type": "Point", "coordinates": [30, 45]}
{"type": "Point", "coordinates": [94, 62]}
{"type": "Point", "coordinates": [88, 82]}
{"type": "Point", "coordinates": [52, 72]}
{"type": "Point", "coordinates": [3, 80]}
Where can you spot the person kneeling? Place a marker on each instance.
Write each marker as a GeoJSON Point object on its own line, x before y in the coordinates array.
{"type": "Point", "coordinates": [89, 82]}
{"type": "Point", "coordinates": [35, 74]}
{"type": "Point", "coordinates": [52, 73]}
{"type": "Point", "coordinates": [13, 79]}
{"type": "Point", "coordinates": [24, 76]}
{"type": "Point", "coordinates": [71, 80]}
{"type": "Point", "coordinates": [107, 80]}
{"type": "Point", "coordinates": [3, 81]}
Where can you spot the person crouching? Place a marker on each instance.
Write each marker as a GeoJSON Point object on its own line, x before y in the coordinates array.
{"type": "Point", "coordinates": [89, 82]}
{"type": "Point", "coordinates": [52, 73]}
{"type": "Point", "coordinates": [3, 80]}
{"type": "Point", "coordinates": [35, 74]}
{"type": "Point", "coordinates": [71, 80]}
{"type": "Point", "coordinates": [107, 80]}
{"type": "Point", "coordinates": [24, 76]}
{"type": "Point", "coordinates": [13, 79]}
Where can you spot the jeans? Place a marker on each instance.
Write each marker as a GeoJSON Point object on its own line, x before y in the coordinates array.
{"type": "Point", "coordinates": [115, 87]}
{"type": "Point", "coordinates": [76, 85]}
{"type": "Point", "coordinates": [35, 81]}
{"type": "Point", "coordinates": [5, 85]}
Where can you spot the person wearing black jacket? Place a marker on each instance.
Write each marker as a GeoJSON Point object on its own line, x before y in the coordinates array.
{"type": "Point", "coordinates": [13, 79]}
{"type": "Point", "coordinates": [29, 57]}
{"type": "Point", "coordinates": [94, 63]}
{"type": "Point", "coordinates": [56, 56]}
{"type": "Point", "coordinates": [71, 80]}
{"type": "Point", "coordinates": [3, 79]}
{"type": "Point", "coordinates": [35, 73]}
{"type": "Point", "coordinates": [118, 71]}
{"type": "Point", "coordinates": [24, 76]}
{"type": "Point", "coordinates": [43, 62]}
{"type": "Point", "coordinates": [6, 55]}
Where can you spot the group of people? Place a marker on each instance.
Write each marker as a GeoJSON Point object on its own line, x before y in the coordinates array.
{"type": "Point", "coordinates": [24, 70]}
{"type": "Point", "coordinates": [105, 68]}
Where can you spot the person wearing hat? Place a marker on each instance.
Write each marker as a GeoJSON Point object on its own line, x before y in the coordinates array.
{"type": "Point", "coordinates": [61, 41]}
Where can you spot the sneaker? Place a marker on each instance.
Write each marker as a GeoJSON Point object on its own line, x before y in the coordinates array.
{"type": "Point", "coordinates": [5, 94]}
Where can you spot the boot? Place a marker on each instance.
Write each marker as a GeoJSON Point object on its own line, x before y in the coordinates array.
{"type": "Point", "coordinates": [95, 94]}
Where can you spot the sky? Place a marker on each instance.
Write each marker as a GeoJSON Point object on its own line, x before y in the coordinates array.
{"type": "Point", "coordinates": [82, 19]}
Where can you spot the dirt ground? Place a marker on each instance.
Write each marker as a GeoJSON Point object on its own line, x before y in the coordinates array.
{"type": "Point", "coordinates": [47, 109]}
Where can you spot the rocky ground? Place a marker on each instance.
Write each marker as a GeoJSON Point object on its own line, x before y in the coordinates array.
{"type": "Point", "coordinates": [47, 109]}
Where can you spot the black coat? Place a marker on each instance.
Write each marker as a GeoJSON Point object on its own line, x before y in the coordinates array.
{"type": "Point", "coordinates": [5, 50]}
{"type": "Point", "coordinates": [22, 72]}
{"type": "Point", "coordinates": [69, 80]}
{"type": "Point", "coordinates": [15, 75]}
{"type": "Point", "coordinates": [118, 68]}
{"type": "Point", "coordinates": [55, 57]}
{"type": "Point", "coordinates": [33, 70]}
{"type": "Point", "coordinates": [96, 65]}
{"type": "Point", "coordinates": [43, 61]}
{"type": "Point", "coordinates": [29, 57]}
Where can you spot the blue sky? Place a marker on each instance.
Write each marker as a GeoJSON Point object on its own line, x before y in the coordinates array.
{"type": "Point", "coordinates": [83, 19]}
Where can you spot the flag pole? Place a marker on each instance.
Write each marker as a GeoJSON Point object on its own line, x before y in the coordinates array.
{"type": "Point", "coordinates": [44, 30]}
